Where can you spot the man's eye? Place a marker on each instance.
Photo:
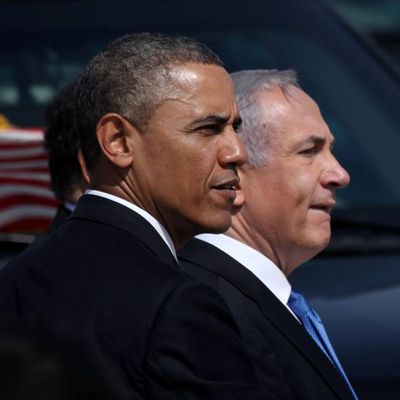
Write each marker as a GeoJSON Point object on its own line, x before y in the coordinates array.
{"type": "Point", "coordinates": [210, 129]}
{"type": "Point", "coordinates": [236, 127]}
{"type": "Point", "coordinates": [309, 151]}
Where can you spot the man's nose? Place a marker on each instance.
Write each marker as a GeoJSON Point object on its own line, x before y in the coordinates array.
{"type": "Point", "coordinates": [335, 175]}
{"type": "Point", "coordinates": [233, 151]}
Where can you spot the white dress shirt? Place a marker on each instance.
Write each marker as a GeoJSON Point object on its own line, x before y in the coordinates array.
{"type": "Point", "coordinates": [148, 217]}
{"type": "Point", "coordinates": [262, 267]}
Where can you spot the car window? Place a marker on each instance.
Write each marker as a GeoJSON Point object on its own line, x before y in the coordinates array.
{"type": "Point", "coordinates": [357, 94]}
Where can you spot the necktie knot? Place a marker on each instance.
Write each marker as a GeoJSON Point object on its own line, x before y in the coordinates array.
{"type": "Point", "coordinates": [298, 304]}
{"type": "Point", "coordinates": [301, 307]}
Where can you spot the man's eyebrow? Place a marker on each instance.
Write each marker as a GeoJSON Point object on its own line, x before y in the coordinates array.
{"type": "Point", "coordinates": [319, 140]}
{"type": "Point", "coordinates": [212, 119]}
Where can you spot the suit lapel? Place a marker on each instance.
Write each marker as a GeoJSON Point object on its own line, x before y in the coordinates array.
{"type": "Point", "coordinates": [215, 260]}
{"type": "Point", "coordinates": [108, 212]}
{"type": "Point", "coordinates": [281, 318]}
{"type": "Point", "coordinates": [210, 257]}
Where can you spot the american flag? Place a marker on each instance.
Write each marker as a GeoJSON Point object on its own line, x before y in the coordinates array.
{"type": "Point", "coordinates": [27, 204]}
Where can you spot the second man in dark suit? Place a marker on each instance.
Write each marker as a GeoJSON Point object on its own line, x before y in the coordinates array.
{"type": "Point", "coordinates": [62, 143]}
{"type": "Point", "coordinates": [286, 194]}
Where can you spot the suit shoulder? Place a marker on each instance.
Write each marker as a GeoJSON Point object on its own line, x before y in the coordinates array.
{"type": "Point", "coordinates": [196, 328]}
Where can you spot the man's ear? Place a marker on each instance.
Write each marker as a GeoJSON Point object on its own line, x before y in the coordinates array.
{"type": "Point", "coordinates": [114, 137]}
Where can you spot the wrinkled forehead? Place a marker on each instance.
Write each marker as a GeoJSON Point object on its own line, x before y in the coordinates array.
{"type": "Point", "coordinates": [306, 110]}
{"type": "Point", "coordinates": [291, 104]}
{"type": "Point", "coordinates": [287, 118]}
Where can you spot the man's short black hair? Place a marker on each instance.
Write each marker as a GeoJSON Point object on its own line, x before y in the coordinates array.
{"type": "Point", "coordinates": [131, 77]}
{"type": "Point", "coordinates": [62, 141]}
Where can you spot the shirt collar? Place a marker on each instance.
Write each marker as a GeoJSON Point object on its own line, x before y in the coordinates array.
{"type": "Point", "coordinates": [148, 217]}
{"type": "Point", "coordinates": [69, 205]}
{"type": "Point", "coordinates": [261, 266]}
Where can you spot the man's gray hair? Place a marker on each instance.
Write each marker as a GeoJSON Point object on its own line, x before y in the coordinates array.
{"type": "Point", "coordinates": [255, 130]}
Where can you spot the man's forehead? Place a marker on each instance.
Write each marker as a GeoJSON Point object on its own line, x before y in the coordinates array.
{"type": "Point", "coordinates": [200, 85]}
{"type": "Point", "coordinates": [198, 111]}
{"type": "Point", "coordinates": [185, 74]}
{"type": "Point", "coordinates": [294, 106]}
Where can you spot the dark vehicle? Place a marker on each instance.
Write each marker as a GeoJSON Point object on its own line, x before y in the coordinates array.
{"type": "Point", "coordinates": [355, 283]}
{"type": "Point", "coordinates": [379, 19]}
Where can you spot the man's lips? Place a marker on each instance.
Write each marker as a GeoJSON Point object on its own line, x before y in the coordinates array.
{"type": "Point", "coordinates": [230, 184]}
{"type": "Point", "coordinates": [324, 206]}
{"type": "Point", "coordinates": [226, 188]}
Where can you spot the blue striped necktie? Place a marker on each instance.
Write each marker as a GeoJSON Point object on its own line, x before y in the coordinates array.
{"type": "Point", "coordinates": [313, 325]}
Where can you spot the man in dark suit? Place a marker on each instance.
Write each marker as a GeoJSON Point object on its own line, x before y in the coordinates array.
{"type": "Point", "coordinates": [158, 120]}
{"type": "Point", "coordinates": [62, 142]}
{"type": "Point", "coordinates": [286, 194]}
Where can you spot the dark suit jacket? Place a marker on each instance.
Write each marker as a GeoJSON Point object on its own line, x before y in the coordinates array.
{"type": "Point", "coordinates": [267, 327]}
{"type": "Point", "coordinates": [61, 217]}
{"type": "Point", "coordinates": [105, 291]}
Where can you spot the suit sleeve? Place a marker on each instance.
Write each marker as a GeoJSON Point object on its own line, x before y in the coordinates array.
{"type": "Point", "coordinates": [195, 351]}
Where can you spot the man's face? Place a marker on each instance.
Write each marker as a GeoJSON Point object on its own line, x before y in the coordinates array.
{"type": "Point", "coordinates": [185, 163]}
{"type": "Point", "coordinates": [289, 200]}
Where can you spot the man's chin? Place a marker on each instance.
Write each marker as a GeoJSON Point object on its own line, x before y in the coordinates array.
{"type": "Point", "coordinates": [219, 225]}
{"type": "Point", "coordinates": [322, 243]}
{"type": "Point", "coordinates": [316, 244]}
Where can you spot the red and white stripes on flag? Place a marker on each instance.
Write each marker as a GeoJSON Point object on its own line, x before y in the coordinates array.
{"type": "Point", "coordinates": [26, 202]}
